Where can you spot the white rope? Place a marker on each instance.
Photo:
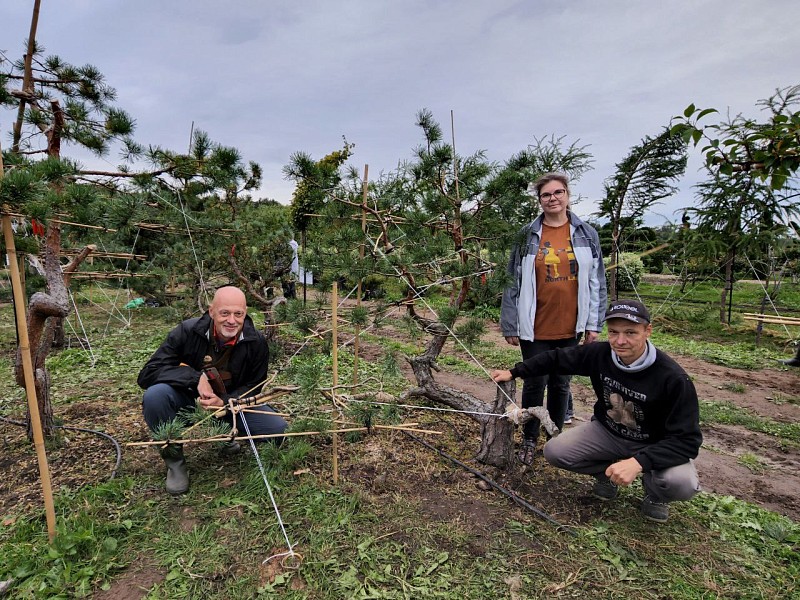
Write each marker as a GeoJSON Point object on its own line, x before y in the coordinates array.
{"type": "Point", "coordinates": [194, 251]}
{"type": "Point", "coordinates": [119, 287]}
{"type": "Point", "coordinates": [119, 317]}
{"type": "Point", "coordinates": [191, 240]}
{"type": "Point", "coordinates": [435, 314]}
{"type": "Point", "coordinates": [83, 329]}
{"type": "Point", "coordinates": [289, 545]}
{"type": "Point", "coordinates": [346, 297]}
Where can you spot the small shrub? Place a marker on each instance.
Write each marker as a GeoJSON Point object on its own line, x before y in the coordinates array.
{"type": "Point", "coordinates": [630, 268]}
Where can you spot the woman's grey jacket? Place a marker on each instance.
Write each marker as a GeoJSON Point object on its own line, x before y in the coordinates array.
{"type": "Point", "coordinates": [518, 309]}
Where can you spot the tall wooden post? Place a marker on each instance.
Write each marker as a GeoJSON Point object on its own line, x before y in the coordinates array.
{"type": "Point", "coordinates": [30, 385]}
{"type": "Point", "coordinates": [335, 364]}
{"type": "Point", "coordinates": [356, 344]}
{"type": "Point", "coordinates": [27, 79]}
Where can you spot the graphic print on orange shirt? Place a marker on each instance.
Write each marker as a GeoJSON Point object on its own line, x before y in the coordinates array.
{"type": "Point", "coordinates": [556, 271]}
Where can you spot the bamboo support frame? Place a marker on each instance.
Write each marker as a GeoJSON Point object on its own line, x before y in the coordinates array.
{"type": "Point", "coordinates": [771, 319]}
{"type": "Point", "coordinates": [227, 438]}
{"type": "Point", "coordinates": [258, 399]}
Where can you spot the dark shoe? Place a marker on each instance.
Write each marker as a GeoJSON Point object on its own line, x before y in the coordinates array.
{"type": "Point", "coordinates": [177, 474]}
{"type": "Point", "coordinates": [527, 452]}
{"type": "Point", "coordinates": [230, 448]}
{"type": "Point", "coordinates": [655, 511]}
{"type": "Point", "coordinates": [604, 489]}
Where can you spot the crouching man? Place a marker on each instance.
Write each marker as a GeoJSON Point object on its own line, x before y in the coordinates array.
{"type": "Point", "coordinates": [174, 378]}
{"type": "Point", "coordinates": [646, 417]}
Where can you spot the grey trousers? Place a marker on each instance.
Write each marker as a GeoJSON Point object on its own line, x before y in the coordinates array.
{"type": "Point", "coordinates": [591, 448]}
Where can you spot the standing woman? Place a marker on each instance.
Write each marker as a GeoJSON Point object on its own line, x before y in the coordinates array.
{"type": "Point", "coordinates": [556, 296]}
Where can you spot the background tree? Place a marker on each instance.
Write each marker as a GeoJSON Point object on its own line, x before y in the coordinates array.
{"type": "Point", "coordinates": [739, 215]}
{"type": "Point", "coordinates": [58, 104]}
{"type": "Point", "coordinates": [154, 198]}
{"type": "Point", "coordinates": [769, 149]}
{"type": "Point", "coordinates": [642, 179]}
{"type": "Point", "coordinates": [750, 198]}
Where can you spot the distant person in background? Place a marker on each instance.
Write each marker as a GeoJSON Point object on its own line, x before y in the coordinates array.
{"type": "Point", "coordinates": [556, 296]}
{"type": "Point", "coordinates": [288, 281]}
{"type": "Point", "coordinates": [175, 377]}
{"type": "Point", "coordinates": [646, 418]}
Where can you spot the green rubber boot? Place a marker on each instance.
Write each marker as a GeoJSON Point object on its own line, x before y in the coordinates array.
{"type": "Point", "coordinates": [177, 474]}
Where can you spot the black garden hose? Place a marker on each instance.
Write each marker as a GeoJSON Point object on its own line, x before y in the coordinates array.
{"type": "Point", "coordinates": [71, 428]}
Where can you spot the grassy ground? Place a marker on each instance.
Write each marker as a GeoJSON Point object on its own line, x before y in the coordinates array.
{"type": "Point", "coordinates": [402, 523]}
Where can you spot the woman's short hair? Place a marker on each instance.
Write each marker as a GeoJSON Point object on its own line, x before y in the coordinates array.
{"type": "Point", "coordinates": [547, 178]}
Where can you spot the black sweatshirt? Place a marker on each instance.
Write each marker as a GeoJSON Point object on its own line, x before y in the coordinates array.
{"type": "Point", "coordinates": [656, 406]}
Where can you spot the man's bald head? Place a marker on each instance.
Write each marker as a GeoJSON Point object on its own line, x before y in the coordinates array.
{"type": "Point", "coordinates": [228, 294]}
{"type": "Point", "coordinates": [228, 310]}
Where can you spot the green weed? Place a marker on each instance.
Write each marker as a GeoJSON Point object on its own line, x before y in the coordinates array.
{"type": "Point", "coordinates": [752, 462]}
{"type": "Point", "coordinates": [778, 398]}
{"type": "Point", "coordinates": [730, 414]}
{"type": "Point", "coordinates": [735, 387]}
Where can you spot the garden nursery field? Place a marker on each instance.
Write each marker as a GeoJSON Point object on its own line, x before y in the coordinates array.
{"type": "Point", "coordinates": [402, 521]}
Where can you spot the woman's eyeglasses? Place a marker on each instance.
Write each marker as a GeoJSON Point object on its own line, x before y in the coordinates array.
{"type": "Point", "coordinates": [558, 195]}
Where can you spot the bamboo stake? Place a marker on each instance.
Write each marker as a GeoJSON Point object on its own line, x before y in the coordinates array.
{"type": "Point", "coordinates": [791, 321]}
{"type": "Point", "coordinates": [227, 438]}
{"type": "Point", "coordinates": [22, 278]}
{"type": "Point", "coordinates": [84, 225]}
{"type": "Point", "coordinates": [335, 363]}
{"type": "Point", "coordinates": [30, 385]}
{"type": "Point", "coordinates": [262, 412]}
{"type": "Point", "coordinates": [356, 343]}
{"type": "Point", "coordinates": [455, 162]}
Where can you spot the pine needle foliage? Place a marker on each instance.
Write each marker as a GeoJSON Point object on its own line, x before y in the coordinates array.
{"type": "Point", "coordinates": [470, 331]}
{"type": "Point", "coordinates": [171, 430]}
{"type": "Point", "coordinates": [310, 373]}
{"type": "Point", "coordinates": [389, 367]}
{"type": "Point", "coordinates": [359, 315]}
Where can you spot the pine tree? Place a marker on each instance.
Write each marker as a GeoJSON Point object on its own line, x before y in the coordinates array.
{"type": "Point", "coordinates": [440, 221]}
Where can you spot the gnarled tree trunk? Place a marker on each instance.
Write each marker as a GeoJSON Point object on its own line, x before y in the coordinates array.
{"type": "Point", "coordinates": [46, 310]}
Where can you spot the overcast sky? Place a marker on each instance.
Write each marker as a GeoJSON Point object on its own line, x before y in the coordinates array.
{"type": "Point", "coordinates": [272, 78]}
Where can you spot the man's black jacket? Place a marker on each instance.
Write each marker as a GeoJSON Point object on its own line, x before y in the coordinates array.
{"type": "Point", "coordinates": [179, 360]}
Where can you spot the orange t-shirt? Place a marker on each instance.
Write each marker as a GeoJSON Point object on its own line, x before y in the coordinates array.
{"type": "Point", "coordinates": [556, 270]}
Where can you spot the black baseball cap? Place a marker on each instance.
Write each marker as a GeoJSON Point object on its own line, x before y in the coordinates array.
{"type": "Point", "coordinates": [632, 310]}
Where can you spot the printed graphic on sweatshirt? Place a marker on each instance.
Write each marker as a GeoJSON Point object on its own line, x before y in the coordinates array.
{"type": "Point", "coordinates": [560, 263]}
{"type": "Point", "coordinates": [623, 415]}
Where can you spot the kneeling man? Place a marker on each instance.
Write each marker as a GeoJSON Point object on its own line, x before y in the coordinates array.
{"type": "Point", "coordinates": [175, 377]}
{"type": "Point", "coordinates": [646, 418]}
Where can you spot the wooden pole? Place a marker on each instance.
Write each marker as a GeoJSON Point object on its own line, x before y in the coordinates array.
{"type": "Point", "coordinates": [335, 363]}
{"type": "Point", "coordinates": [30, 385]}
{"type": "Point", "coordinates": [356, 344]}
{"type": "Point", "coordinates": [27, 75]}
{"type": "Point", "coordinates": [455, 162]}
